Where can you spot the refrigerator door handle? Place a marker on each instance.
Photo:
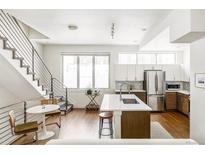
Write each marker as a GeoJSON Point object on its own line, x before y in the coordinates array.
{"type": "Point", "coordinates": [156, 82]}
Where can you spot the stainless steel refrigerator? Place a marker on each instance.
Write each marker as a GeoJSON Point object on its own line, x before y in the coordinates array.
{"type": "Point", "coordinates": [154, 84]}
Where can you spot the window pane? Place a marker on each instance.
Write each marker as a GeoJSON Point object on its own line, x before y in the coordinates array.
{"type": "Point", "coordinates": [86, 69]}
{"type": "Point", "coordinates": [70, 71]}
{"type": "Point", "coordinates": [146, 58]}
{"type": "Point", "coordinates": [127, 58]}
{"type": "Point", "coordinates": [101, 71]}
{"type": "Point", "coordinates": [166, 58]}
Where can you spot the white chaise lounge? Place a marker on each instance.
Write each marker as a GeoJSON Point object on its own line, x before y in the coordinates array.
{"type": "Point", "coordinates": [122, 142]}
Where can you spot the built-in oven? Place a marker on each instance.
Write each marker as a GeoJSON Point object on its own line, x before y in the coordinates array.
{"type": "Point", "coordinates": [173, 86]}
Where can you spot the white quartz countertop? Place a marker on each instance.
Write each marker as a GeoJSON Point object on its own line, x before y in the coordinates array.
{"type": "Point", "coordinates": [186, 92]}
{"type": "Point", "coordinates": [112, 102]}
{"type": "Point", "coordinates": [134, 90]}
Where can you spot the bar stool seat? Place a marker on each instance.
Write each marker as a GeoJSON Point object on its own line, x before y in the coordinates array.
{"type": "Point", "coordinates": [102, 117]}
{"type": "Point", "coordinates": [106, 115]}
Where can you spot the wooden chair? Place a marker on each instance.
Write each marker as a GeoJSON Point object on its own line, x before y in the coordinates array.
{"type": "Point", "coordinates": [56, 113]}
{"type": "Point", "coordinates": [22, 129]}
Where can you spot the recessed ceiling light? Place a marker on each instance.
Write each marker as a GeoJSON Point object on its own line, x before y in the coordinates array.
{"type": "Point", "coordinates": [144, 29]}
{"type": "Point", "coordinates": [72, 27]}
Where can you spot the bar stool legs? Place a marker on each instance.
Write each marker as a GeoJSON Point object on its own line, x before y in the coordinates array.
{"type": "Point", "coordinates": [100, 127]}
{"type": "Point", "coordinates": [111, 128]}
{"type": "Point", "coordinates": [102, 117]}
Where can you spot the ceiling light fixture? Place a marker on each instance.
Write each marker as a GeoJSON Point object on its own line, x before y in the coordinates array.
{"type": "Point", "coordinates": [113, 30]}
{"type": "Point", "coordinates": [144, 29]}
{"type": "Point", "coordinates": [72, 27]}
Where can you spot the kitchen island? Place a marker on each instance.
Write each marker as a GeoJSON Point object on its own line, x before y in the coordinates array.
{"type": "Point", "coordinates": [130, 120]}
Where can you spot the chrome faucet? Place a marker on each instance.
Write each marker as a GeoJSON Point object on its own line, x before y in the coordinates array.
{"type": "Point", "coordinates": [121, 89]}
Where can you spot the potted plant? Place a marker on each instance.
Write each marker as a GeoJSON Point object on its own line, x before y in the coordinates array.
{"type": "Point", "coordinates": [89, 91]}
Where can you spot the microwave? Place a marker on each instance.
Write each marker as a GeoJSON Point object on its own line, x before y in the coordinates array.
{"type": "Point", "coordinates": [173, 86]}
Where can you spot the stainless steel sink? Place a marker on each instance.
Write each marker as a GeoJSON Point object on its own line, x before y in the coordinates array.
{"type": "Point", "coordinates": [129, 101]}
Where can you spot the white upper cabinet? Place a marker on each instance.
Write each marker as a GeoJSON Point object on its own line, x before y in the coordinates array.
{"type": "Point", "coordinates": [131, 75]}
{"type": "Point", "coordinates": [139, 75]}
{"type": "Point", "coordinates": [129, 72]}
{"type": "Point", "coordinates": [121, 72]}
{"type": "Point", "coordinates": [173, 72]}
{"type": "Point", "coordinates": [133, 72]}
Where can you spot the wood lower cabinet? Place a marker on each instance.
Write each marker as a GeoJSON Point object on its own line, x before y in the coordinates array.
{"type": "Point", "coordinates": [183, 103]}
{"type": "Point", "coordinates": [177, 101]}
{"type": "Point", "coordinates": [135, 124]}
{"type": "Point", "coordinates": [171, 100]}
{"type": "Point", "coordinates": [141, 95]}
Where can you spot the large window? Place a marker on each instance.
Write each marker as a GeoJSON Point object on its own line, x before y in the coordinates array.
{"type": "Point", "coordinates": [168, 58]}
{"type": "Point", "coordinates": [101, 71]}
{"type": "Point", "coordinates": [147, 58]}
{"type": "Point", "coordinates": [127, 58]}
{"type": "Point", "coordinates": [70, 71]}
{"type": "Point", "coordinates": [86, 71]}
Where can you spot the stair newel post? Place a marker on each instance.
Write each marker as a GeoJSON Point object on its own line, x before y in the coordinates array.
{"type": "Point", "coordinates": [66, 99]}
{"type": "Point", "coordinates": [24, 109]}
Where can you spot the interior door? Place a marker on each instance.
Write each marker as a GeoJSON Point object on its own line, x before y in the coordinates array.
{"type": "Point", "coordinates": [151, 82]}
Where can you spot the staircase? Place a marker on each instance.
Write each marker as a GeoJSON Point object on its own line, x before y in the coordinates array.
{"type": "Point", "coordinates": [18, 50]}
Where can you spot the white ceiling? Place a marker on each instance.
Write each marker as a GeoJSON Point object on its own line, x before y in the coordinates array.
{"type": "Point", "coordinates": [162, 43]}
{"type": "Point", "coordinates": [94, 25]}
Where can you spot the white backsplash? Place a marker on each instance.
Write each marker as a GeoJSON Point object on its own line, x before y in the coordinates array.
{"type": "Point", "coordinates": [136, 85]}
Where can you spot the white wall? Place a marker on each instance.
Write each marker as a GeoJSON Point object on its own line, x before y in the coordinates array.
{"type": "Point", "coordinates": [13, 86]}
{"type": "Point", "coordinates": [169, 21]}
{"type": "Point", "coordinates": [52, 57]}
{"type": "Point", "coordinates": [197, 119]}
{"type": "Point", "coordinates": [186, 63]}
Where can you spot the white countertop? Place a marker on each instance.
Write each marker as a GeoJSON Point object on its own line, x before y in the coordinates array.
{"type": "Point", "coordinates": [134, 90]}
{"type": "Point", "coordinates": [186, 92]}
{"type": "Point", "coordinates": [111, 102]}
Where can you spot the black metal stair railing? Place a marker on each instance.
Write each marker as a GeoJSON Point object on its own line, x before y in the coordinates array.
{"type": "Point", "coordinates": [16, 40]}
{"type": "Point", "coordinates": [61, 91]}
{"type": "Point", "coordinates": [24, 50]}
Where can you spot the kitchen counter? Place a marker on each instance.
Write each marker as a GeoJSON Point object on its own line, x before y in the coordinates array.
{"type": "Point", "coordinates": [129, 120]}
{"type": "Point", "coordinates": [134, 90]}
{"type": "Point", "coordinates": [186, 92]}
{"type": "Point", "coordinates": [111, 102]}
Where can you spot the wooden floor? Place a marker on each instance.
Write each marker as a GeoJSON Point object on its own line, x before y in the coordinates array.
{"type": "Point", "coordinates": [175, 123]}
{"type": "Point", "coordinates": [82, 124]}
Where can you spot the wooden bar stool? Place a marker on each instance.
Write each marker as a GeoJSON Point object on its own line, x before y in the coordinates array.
{"type": "Point", "coordinates": [102, 117]}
